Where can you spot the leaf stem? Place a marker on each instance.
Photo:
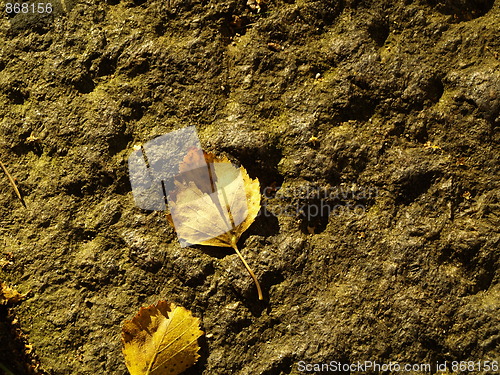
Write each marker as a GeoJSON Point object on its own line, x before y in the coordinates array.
{"type": "Point", "coordinates": [259, 290]}
{"type": "Point", "coordinates": [13, 183]}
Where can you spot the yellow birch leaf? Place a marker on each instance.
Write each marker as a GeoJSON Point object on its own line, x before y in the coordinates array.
{"type": "Point", "coordinates": [9, 295]}
{"type": "Point", "coordinates": [4, 263]}
{"type": "Point", "coordinates": [213, 203]}
{"type": "Point", "coordinates": [161, 339]}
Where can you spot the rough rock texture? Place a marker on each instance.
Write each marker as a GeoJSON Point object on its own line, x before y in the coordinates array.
{"type": "Point", "coordinates": [378, 119]}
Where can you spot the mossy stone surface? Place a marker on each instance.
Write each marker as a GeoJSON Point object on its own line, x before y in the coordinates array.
{"type": "Point", "coordinates": [384, 113]}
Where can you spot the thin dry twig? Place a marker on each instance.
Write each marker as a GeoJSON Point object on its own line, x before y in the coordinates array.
{"type": "Point", "coordinates": [13, 183]}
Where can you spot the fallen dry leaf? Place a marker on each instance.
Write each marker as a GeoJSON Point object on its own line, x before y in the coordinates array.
{"type": "Point", "coordinates": [9, 295]}
{"type": "Point", "coordinates": [4, 262]}
{"type": "Point", "coordinates": [161, 339]}
{"type": "Point", "coordinates": [213, 203]}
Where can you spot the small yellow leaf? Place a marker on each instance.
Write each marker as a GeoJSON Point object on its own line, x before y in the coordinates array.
{"type": "Point", "coordinates": [161, 339]}
{"type": "Point", "coordinates": [4, 263]}
{"type": "Point", "coordinates": [9, 295]}
{"type": "Point", "coordinates": [218, 218]}
{"type": "Point", "coordinates": [213, 203]}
